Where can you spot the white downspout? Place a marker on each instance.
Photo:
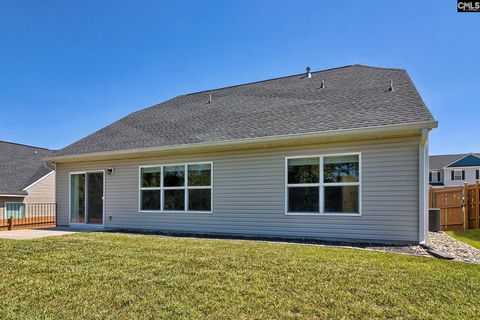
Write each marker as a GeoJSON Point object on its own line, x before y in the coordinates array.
{"type": "Point", "coordinates": [423, 170]}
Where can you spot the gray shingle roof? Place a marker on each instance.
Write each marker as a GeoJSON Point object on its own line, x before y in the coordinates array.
{"type": "Point", "coordinates": [437, 162]}
{"type": "Point", "coordinates": [354, 97]}
{"type": "Point", "coordinates": [20, 166]}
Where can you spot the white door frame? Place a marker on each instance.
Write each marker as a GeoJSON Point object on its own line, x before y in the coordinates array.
{"type": "Point", "coordinates": [85, 224]}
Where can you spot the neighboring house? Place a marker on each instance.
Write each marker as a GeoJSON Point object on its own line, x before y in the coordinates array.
{"type": "Point", "coordinates": [454, 169]}
{"type": "Point", "coordinates": [25, 179]}
{"type": "Point", "coordinates": [337, 154]}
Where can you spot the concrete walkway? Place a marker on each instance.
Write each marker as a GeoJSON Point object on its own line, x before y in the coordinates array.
{"type": "Point", "coordinates": [26, 234]}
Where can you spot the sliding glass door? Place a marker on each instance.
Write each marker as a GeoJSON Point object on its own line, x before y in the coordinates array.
{"type": "Point", "coordinates": [86, 198]}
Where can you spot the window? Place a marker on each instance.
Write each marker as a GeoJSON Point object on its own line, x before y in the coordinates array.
{"type": "Point", "coordinates": [183, 187]}
{"type": "Point", "coordinates": [458, 175]}
{"type": "Point", "coordinates": [323, 184]}
{"type": "Point", "coordinates": [341, 180]}
{"type": "Point", "coordinates": [150, 188]}
{"type": "Point", "coordinates": [14, 210]}
{"type": "Point", "coordinates": [303, 184]}
{"type": "Point", "coordinates": [434, 176]}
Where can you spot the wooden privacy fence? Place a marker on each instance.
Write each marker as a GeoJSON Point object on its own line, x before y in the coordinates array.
{"type": "Point", "coordinates": [16, 215]}
{"type": "Point", "coordinates": [459, 206]}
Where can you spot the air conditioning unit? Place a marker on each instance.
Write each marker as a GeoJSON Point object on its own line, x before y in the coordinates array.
{"type": "Point", "coordinates": [434, 220]}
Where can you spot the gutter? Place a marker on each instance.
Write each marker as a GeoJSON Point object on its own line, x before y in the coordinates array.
{"type": "Point", "coordinates": [264, 141]}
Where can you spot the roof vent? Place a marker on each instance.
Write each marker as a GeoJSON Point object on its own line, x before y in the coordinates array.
{"type": "Point", "coordinates": [308, 74]}
{"type": "Point", "coordinates": [322, 84]}
{"type": "Point", "coordinates": [391, 85]}
{"type": "Point", "coordinates": [209, 98]}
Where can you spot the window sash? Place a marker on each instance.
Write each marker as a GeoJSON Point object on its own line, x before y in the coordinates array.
{"type": "Point", "coordinates": [321, 184]}
{"type": "Point", "coordinates": [457, 175]}
{"type": "Point", "coordinates": [185, 187]}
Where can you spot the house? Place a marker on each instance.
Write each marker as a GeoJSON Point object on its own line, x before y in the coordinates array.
{"type": "Point", "coordinates": [454, 169]}
{"type": "Point", "coordinates": [24, 179]}
{"type": "Point", "coordinates": [339, 154]}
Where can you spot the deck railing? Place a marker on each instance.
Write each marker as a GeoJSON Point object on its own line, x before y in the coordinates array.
{"type": "Point", "coordinates": [16, 215]}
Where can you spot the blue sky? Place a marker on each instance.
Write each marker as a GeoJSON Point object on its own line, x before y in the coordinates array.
{"type": "Point", "coordinates": [68, 68]}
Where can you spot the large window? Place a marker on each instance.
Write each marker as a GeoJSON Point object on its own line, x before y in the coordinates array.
{"type": "Point", "coordinates": [184, 188]}
{"type": "Point", "coordinates": [327, 184]}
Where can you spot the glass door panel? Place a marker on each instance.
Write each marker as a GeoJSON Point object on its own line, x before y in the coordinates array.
{"type": "Point", "coordinates": [77, 198]}
{"type": "Point", "coordinates": [95, 198]}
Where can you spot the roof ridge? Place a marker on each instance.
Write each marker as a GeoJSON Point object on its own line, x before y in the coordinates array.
{"type": "Point", "coordinates": [24, 145]}
{"type": "Point", "coordinates": [382, 68]}
{"type": "Point", "coordinates": [266, 80]}
{"type": "Point", "coordinates": [451, 154]}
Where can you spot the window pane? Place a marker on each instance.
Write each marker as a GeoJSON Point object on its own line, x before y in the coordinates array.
{"type": "Point", "coordinates": [174, 176]}
{"type": "Point", "coordinates": [199, 199]}
{"type": "Point", "coordinates": [303, 170]}
{"type": "Point", "coordinates": [199, 174]}
{"type": "Point", "coordinates": [77, 198]}
{"type": "Point", "coordinates": [458, 175]}
{"type": "Point", "coordinates": [341, 168]}
{"type": "Point", "coordinates": [303, 199]}
{"type": "Point", "coordinates": [150, 199]}
{"type": "Point", "coordinates": [341, 199]}
{"type": "Point", "coordinates": [15, 210]}
{"type": "Point", "coordinates": [150, 177]}
{"type": "Point", "coordinates": [174, 200]}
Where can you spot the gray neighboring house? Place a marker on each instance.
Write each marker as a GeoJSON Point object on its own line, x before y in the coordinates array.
{"type": "Point", "coordinates": [338, 154]}
{"type": "Point", "coordinates": [454, 169]}
{"type": "Point", "coordinates": [24, 178]}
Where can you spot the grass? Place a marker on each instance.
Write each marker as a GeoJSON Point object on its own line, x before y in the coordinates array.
{"type": "Point", "coordinates": [119, 276]}
{"type": "Point", "coordinates": [471, 237]}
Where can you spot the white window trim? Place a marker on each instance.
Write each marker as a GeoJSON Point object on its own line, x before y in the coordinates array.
{"type": "Point", "coordinates": [435, 174]}
{"type": "Point", "coordinates": [454, 174]}
{"type": "Point", "coordinates": [85, 224]}
{"type": "Point", "coordinates": [162, 188]}
{"type": "Point", "coordinates": [13, 202]}
{"type": "Point", "coordinates": [322, 185]}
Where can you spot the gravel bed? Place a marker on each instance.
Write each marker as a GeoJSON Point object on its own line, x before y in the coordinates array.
{"type": "Point", "coordinates": [458, 250]}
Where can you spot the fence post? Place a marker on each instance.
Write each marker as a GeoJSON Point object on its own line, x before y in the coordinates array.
{"type": "Point", "coordinates": [465, 206]}
{"type": "Point", "coordinates": [10, 223]}
{"type": "Point", "coordinates": [477, 204]}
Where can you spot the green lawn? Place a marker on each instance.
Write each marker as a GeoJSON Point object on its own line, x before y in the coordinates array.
{"type": "Point", "coordinates": [471, 237]}
{"type": "Point", "coordinates": [118, 276]}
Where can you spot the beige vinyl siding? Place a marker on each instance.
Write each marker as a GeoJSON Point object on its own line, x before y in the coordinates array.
{"type": "Point", "coordinates": [43, 191]}
{"type": "Point", "coordinates": [249, 194]}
